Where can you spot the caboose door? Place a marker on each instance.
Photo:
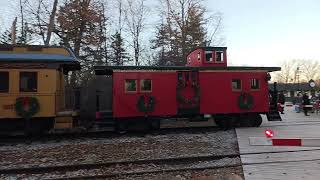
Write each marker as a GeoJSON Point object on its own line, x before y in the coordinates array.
{"type": "Point", "coordinates": [188, 92]}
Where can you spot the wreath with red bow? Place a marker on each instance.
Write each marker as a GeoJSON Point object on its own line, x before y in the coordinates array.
{"type": "Point", "coordinates": [146, 104]}
{"type": "Point", "coordinates": [245, 101]}
{"type": "Point", "coordinates": [27, 107]}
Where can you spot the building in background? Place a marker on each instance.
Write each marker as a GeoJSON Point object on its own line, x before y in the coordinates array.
{"type": "Point", "coordinates": [291, 90]}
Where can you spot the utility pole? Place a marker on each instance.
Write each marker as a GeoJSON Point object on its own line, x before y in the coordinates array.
{"type": "Point", "coordinates": [298, 78]}
{"type": "Point", "coordinates": [13, 31]}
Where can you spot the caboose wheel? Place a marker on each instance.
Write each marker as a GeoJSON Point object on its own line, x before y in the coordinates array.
{"type": "Point", "coordinates": [225, 122]}
{"type": "Point", "coordinates": [256, 120]}
{"type": "Point", "coordinates": [155, 124]}
{"type": "Point", "coordinates": [121, 127]}
{"type": "Point", "coordinates": [245, 122]}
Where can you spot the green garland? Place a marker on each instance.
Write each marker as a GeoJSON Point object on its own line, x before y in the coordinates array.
{"type": "Point", "coordinates": [245, 101]}
{"type": "Point", "coordinates": [30, 102]}
{"type": "Point", "coordinates": [143, 107]}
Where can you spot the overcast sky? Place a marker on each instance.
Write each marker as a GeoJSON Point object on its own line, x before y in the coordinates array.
{"type": "Point", "coordinates": [257, 32]}
{"type": "Point", "coordinates": [260, 32]}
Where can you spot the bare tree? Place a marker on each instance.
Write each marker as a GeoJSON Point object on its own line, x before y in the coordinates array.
{"type": "Point", "coordinates": [41, 15]}
{"type": "Point", "coordinates": [135, 17]}
{"type": "Point", "coordinates": [51, 22]}
{"type": "Point", "coordinates": [310, 69]}
{"type": "Point", "coordinates": [297, 70]}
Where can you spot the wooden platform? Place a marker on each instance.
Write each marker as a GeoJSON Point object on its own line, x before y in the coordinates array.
{"type": "Point", "coordinates": [273, 162]}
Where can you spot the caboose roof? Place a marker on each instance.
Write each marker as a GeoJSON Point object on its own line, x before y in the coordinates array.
{"type": "Point", "coordinates": [209, 49]}
{"type": "Point", "coordinates": [107, 70]}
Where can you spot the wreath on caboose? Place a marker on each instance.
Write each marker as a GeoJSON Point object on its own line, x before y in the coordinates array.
{"type": "Point", "coordinates": [146, 104]}
{"type": "Point", "coordinates": [184, 100]}
{"type": "Point", "coordinates": [27, 107]}
{"type": "Point", "coordinates": [245, 101]}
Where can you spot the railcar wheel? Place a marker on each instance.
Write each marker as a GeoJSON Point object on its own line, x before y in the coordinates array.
{"type": "Point", "coordinates": [121, 126]}
{"type": "Point", "coordinates": [251, 120]}
{"type": "Point", "coordinates": [245, 121]}
{"type": "Point", "coordinates": [256, 120]}
{"type": "Point", "coordinates": [155, 124]}
{"type": "Point", "coordinates": [225, 122]}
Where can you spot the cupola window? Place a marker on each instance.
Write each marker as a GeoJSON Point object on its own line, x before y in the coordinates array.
{"type": "Point", "coordinates": [219, 56]}
{"type": "Point", "coordinates": [208, 56]}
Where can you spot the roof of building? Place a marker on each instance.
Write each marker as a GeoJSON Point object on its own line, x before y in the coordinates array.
{"type": "Point", "coordinates": [293, 87]}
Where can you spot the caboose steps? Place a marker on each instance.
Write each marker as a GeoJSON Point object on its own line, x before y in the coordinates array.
{"type": "Point", "coordinates": [273, 114]}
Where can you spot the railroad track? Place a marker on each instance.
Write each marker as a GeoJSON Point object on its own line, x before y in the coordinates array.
{"type": "Point", "coordinates": [18, 139]}
{"type": "Point", "coordinates": [140, 167]}
{"type": "Point", "coordinates": [133, 167]}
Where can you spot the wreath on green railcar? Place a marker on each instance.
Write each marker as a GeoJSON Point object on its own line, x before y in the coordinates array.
{"type": "Point", "coordinates": [27, 107]}
{"type": "Point", "coordinates": [144, 106]}
{"type": "Point", "coordinates": [245, 101]}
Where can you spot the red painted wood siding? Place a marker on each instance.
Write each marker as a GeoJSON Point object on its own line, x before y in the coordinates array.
{"type": "Point", "coordinates": [163, 89]}
{"type": "Point", "coordinates": [217, 95]}
{"type": "Point", "coordinates": [192, 59]}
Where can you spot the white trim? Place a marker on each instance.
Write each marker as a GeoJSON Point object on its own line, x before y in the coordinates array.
{"type": "Point", "coordinates": [314, 142]}
{"type": "Point", "coordinates": [260, 141]}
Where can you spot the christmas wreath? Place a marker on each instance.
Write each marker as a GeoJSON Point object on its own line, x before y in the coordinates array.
{"type": "Point", "coordinates": [184, 100]}
{"type": "Point", "coordinates": [245, 101]}
{"type": "Point", "coordinates": [26, 107]}
{"type": "Point", "coordinates": [143, 106]}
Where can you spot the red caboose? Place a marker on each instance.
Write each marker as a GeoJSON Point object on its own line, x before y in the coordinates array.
{"type": "Point", "coordinates": [206, 85]}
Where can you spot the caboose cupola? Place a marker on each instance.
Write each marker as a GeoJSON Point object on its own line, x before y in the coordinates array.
{"type": "Point", "coordinates": [208, 57]}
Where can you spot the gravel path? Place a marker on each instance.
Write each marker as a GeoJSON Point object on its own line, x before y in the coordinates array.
{"type": "Point", "coordinates": [122, 148]}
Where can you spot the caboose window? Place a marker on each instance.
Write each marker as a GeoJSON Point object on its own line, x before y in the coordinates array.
{"type": "Point", "coordinates": [236, 84]}
{"type": "Point", "coordinates": [219, 56]}
{"type": "Point", "coordinates": [146, 85]}
{"type": "Point", "coordinates": [28, 81]}
{"type": "Point", "coordinates": [130, 85]}
{"type": "Point", "coordinates": [255, 84]}
{"type": "Point", "coordinates": [208, 56]}
{"type": "Point", "coordinates": [4, 79]}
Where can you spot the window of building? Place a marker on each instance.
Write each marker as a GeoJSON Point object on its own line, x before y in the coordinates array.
{"type": "Point", "coordinates": [28, 82]}
{"type": "Point", "coordinates": [145, 85]}
{"type": "Point", "coordinates": [236, 84]}
{"type": "Point", "coordinates": [4, 79]}
{"type": "Point", "coordinates": [208, 56]}
{"type": "Point", "coordinates": [219, 56]}
{"type": "Point", "coordinates": [291, 93]}
{"type": "Point", "coordinates": [130, 85]}
{"type": "Point", "coordinates": [255, 84]}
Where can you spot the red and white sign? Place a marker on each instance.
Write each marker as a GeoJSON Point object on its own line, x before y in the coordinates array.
{"type": "Point", "coordinates": [262, 141]}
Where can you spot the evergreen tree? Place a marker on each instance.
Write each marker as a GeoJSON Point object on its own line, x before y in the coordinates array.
{"type": "Point", "coordinates": [5, 37]}
{"type": "Point", "coordinates": [182, 29]}
{"type": "Point", "coordinates": [81, 27]}
{"type": "Point", "coordinates": [118, 56]}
